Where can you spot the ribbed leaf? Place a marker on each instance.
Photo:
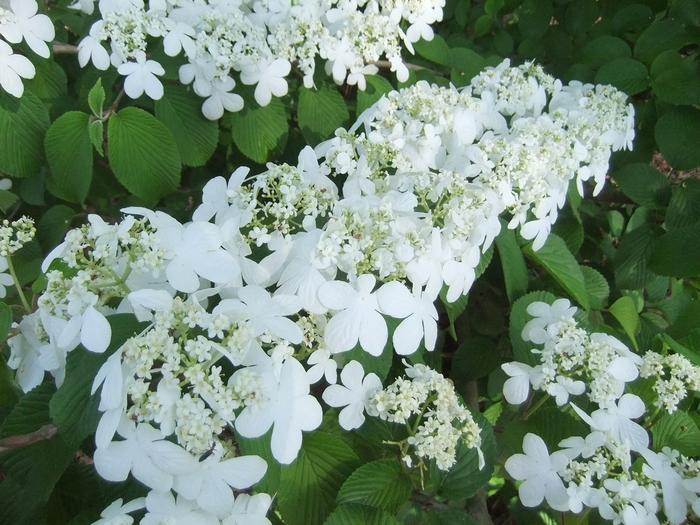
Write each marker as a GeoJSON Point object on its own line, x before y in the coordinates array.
{"type": "Point", "coordinates": [143, 154]}
{"type": "Point", "coordinates": [355, 514]}
{"type": "Point", "coordinates": [382, 484]}
{"type": "Point", "coordinates": [258, 131]}
{"type": "Point", "coordinates": [677, 431]}
{"type": "Point", "coordinates": [195, 136]}
{"type": "Point", "coordinates": [23, 124]}
{"type": "Point", "coordinates": [310, 485]}
{"type": "Point", "coordinates": [557, 261]}
{"type": "Point", "coordinates": [69, 152]}
{"type": "Point", "coordinates": [320, 112]}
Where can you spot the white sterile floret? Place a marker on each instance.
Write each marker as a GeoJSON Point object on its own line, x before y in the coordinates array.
{"type": "Point", "coordinates": [142, 76]}
{"type": "Point", "coordinates": [358, 316]}
{"type": "Point", "coordinates": [23, 23]}
{"type": "Point", "coordinates": [538, 470]}
{"type": "Point", "coordinates": [418, 313]}
{"type": "Point", "coordinates": [323, 365]}
{"type": "Point", "coordinates": [211, 482]}
{"type": "Point", "coordinates": [117, 513]}
{"type": "Point", "coordinates": [13, 68]}
{"type": "Point", "coordinates": [284, 404]}
{"type": "Point", "coordinates": [353, 394]}
{"type": "Point", "coordinates": [249, 510]}
{"type": "Point", "coordinates": [150, 459]}
{"type": "Point", "coordinates": [163, 507]}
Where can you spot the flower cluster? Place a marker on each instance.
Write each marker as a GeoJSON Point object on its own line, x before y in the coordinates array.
{"type": "Point", "coordinates": [224, 42]}
{"type": "Point", "coordinates": [19, 22]}
{"type": "Point", "coordinates": [673, 375]}
{"type": "Point", "coordinates": [573, 361]}
{"type": "Point", "coordinates": [279, 274]}
{"type": "Point", "coordinates": [438, 422]}
{"type": "Point", "coordinates": [13, 236]}
{"type": "Point", "coordinates": [596, 470]}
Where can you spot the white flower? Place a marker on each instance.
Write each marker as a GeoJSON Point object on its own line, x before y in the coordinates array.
{"type": "Point", "coordinates": [211, 482]}
{"type": "Point", "coordinates": [141, 76]}
{"type": "Point", "coordinates": [418, 313]}
{"type": "Point", "coordinates": [178, 37]}
{"type": "Point", "coordinates": [285, 405]}
{"type": "Point", "coordinates": [264, 312]}
{"type": "Point", "coordinates": [576, 446]}
{"type": "Point", "coordinates": [91, 49]}
{"type": "Point", "coordinates": [90, 328]}
{"type": "Point", "coordinates": [353, 394]}
{"type": "Point", "coordinates": [459, 275]}
{"type": "Point", "coordinates": [358, 316]}
{"type": "Point", "coordinates": [117, 513]}
{"type": "Point", "coordinates": [13, 68]}
{"type": "Point", "coordinates": [563, 387]}
{"type": "Point", "coordinates": [5, 278]}
{"type": "Point", "coordinates": [675, 494]}
{"type": "Point", "coordinates": [616, 420]}
{"type": "Point", "coordinates": [26, 24]}
{"type": "Point", "coordinates": [544, 315]}
{"type": "Point", "coordinates": [538, 471]}
{"type": "Point", "coordinates": [249, 510]}
{"type": "Point", "coordinates": [164, 508]}
{"type": "Point", "coordinates": [516, 389]}
{"type": "Point", "coordinates": [220, 98]}
{"type": "Point", "coordinates": [269, 77]}
{"type": "Point", "coordinates": [150, 459]}
{"type": "Point", "coordinates": [322, 365]}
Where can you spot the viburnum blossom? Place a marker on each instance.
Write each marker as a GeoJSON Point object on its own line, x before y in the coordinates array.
{"type": "Point", "coordinates": [284, 277]}
{"type": "Point", "coordinates": [348, 37]}
{"type": "Point", "coordinates": [601, 469]}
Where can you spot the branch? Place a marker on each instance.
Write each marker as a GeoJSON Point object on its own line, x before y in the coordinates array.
{"type": "Point", "coordinates": [59, 48]}
{"type": "Point", "coordinates": [13, 442]}
{"type": "Point", "coordinates": [477, 507]}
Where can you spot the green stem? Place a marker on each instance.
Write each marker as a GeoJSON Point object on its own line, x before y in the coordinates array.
{"type": "Point", "coordinates": [20, 292]}
{"type": "Point", "coordinates": [534, 408]}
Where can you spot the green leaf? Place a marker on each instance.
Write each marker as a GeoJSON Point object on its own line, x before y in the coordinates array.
{"type": "Point", "coordinates": [435, 50]}
{"type": "Point", "coordinates": [644, 185]}
{"type": "Point", "coordinates": [49, 83]}
{"type": "Point", "coordinates": [195, 136]}
{"type": "Point", "coordinates": [557, 261]}
{"type": "Point", "coordinates": [69, 152]}
{"type": "Point", "coordinates": [377, 87]}
{"type": "Point", "coordinates": [691, 355]}
{"type": "Point", "coordinates": [684, 208]}
{"type": "Point", "coordinates": [96, 99]}
{"type": "Point", "coordinates": [597, 287]}
{"type": "Point", "coordinates": [513, 264]}
{"type": "Point", "coordinates": [675, 79]}
{"type": "Point", "coordinates": [96, 132]}
{"type": "Point", "coordinates": [632, 258]}
{"type": "Point", "coordinates": [465, 478]}
{"type": "Point", "coordinates": [320, 112]}
{"type": "Point", "coordinates": [258, 131]}
{"type": "Point", "coordinates": [381, 484]}
{"type": "Point", "coordinates": [534, 17]}
{"type": "Point", "coordinates": [23, 124]}
{"type": "Point", "coordinates": [518, 318]}
{"type": "Point", "coordinates": [33, 470]}
{"type": "Point", "coordinates": [310, 485]}
{"type": "Point", "coordinates": [30, 413]}
{"type": "Point", "coordinates": [355, 514]}
{"type": "Point", "coordinates": [5, 320]}
{"type": "Point", "coordinates": [677, 253]}
{"type": "Point", "coordinates": [660, 36]}
{"type": "Point", "coordinates": [605, 49]}
{"type": "Point", "coordinates": [678, 431]}
{"type": "Point", "coordinates": [626, 74]}
{"type": "Point", "coordinates": [54, 224]}
{"type": "Point", "coordinates": [143, 154]}
{"type": "Point", "coordinates": [677, 133]}
{"type": "Point", "coordinates": [466, 64]}
{"type": "Point", "coordinates": [625, 311]}
{"type": "Point", "coordinates": [476, 357]}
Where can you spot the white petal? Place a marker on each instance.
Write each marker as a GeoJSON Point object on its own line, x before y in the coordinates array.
{"type": "Point", "coordinates": [114, 462]}
{"type": "Point", "coordinates": [373, 333]}
{"type": "Point", "coordinates": [243, 471]}
{"type": "Point", "coordinates": [342, 331]}
{"type": "Point", "coordinates": [395, 300]}
{"type": "Point", "coordinates": [408, 335]}
{"type": "Point", "coordinates": [336, 295]}
{"type": "Point", "coordinates": [531, 492]}
{"type": "Point", "coordinates": [96, 333]}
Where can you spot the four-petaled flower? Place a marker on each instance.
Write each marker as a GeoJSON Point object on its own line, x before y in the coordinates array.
{"type": "Point", "coordinates": [353, 394]}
